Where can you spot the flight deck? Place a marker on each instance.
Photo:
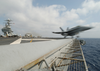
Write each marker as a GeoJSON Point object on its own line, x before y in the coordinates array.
{"type": "Point", "coordinates": [42, 54]}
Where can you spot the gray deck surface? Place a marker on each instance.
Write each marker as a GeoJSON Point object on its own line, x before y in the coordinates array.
{"type": "Point", "coordinates": [9, 40]}
{"type": "Point", "coordinates": [6, 41]}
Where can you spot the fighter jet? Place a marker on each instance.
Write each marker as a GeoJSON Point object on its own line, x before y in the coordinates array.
{"type": "Point", "coordinates": [73, 31]}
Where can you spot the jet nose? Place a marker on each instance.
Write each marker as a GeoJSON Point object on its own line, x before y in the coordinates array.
{"type": "Point", "coordinates": [91, 27]}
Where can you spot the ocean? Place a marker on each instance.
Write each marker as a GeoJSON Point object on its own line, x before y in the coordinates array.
{"type": "Point", "coordinates": [91, 52]}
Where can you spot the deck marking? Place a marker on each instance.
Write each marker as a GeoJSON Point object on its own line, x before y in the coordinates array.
{"type": "Point", "coordinates": [18, 41]}
{"type": "Point", "coordinates": [31, 40]}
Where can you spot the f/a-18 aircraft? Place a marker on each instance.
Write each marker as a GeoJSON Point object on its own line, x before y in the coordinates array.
{"type": "Point", "coordinates": [73, 31]}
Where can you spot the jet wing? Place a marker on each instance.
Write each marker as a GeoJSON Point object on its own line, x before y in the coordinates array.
{"type": "Point", "coordinates": [58, 32]}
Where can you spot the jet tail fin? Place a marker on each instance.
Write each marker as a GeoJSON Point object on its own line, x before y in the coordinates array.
{"type": "Point", "coordinates": [67, 29]}
{"type": "Point", "coordinates": [61, 29]}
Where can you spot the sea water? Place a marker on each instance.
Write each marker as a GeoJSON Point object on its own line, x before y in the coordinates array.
{"type": "Point", "coordinates": [91, 52]}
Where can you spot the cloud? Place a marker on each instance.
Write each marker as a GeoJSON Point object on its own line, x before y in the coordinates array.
{"type": "Point", "coordinates": [80, 21]}
{"type": "Point", "coordinates": [89, 6]}
{"type": "Point", "coordinates": [70, 15]}
{"type": "Point", "coordinates": [94, 32]}
{"type": "Point", "coordinates": [45, 19]}
{"type": "Point", "coordinates": [13, 6]}
{"type": "Point", "coordinates": [28, 18]}
{"type": "Point", "coordinates": [82, 11]}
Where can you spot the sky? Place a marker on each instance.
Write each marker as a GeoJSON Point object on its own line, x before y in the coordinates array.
{"type": "Point", "coordinates": [42, 17]}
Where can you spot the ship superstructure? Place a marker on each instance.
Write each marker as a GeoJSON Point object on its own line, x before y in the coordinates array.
{"type": "Point", "coordinates": [7, 29]}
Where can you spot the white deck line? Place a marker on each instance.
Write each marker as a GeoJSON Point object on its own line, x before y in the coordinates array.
{"type": "Point", "coordinates": [84, 58]}
{"type": "Point", "coordinates": [18, 41]}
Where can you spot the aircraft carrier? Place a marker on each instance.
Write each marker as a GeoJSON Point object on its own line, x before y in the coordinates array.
{"type": "Point", "coordinates": [42, 54]}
